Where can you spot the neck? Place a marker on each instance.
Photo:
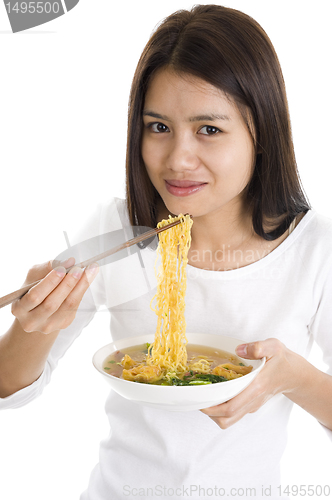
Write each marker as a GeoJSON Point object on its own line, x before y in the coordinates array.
{"type": "Point", "coordinates": [225, 240]}
{"type": "Point", "coordinates": [224, 227]}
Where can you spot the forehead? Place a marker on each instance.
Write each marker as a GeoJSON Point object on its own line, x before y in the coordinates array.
{"type": "Point", "coordinates": [186, 93]}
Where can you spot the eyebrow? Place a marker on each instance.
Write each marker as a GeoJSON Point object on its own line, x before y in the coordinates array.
{"type": "Point", "coordinates": [199, 118]}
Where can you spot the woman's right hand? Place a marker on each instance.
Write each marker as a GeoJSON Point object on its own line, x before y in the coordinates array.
{"type": "Point", "coordinates": [51, 305]}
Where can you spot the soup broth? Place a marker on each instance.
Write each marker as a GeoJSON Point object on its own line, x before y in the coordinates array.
{"type": "Point", "coordinates": [206, 365]}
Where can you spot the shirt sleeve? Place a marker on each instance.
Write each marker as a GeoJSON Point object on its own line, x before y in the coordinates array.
{"type": "Point", "coordinates": [92, 300]}
{"type": "Point", "coordinates": [321, 324]}
{"type": "Point", "coordinates": [64, 340]}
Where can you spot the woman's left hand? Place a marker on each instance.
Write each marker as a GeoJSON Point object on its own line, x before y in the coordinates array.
{"type": "Point", "coordinates": [279, 375]}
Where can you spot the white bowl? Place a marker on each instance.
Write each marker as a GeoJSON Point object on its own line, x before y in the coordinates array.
{"type": "Point", "coordinates": [178, 398]}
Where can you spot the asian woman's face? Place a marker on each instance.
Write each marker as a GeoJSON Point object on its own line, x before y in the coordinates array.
{"type": "Point", "coordinates": [196, 147]}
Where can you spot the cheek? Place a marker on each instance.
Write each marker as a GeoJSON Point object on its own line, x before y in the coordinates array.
{"type": "Point", "coordinates": [248, 162]}
{"type": "Point", "coordinates": [150, 156]}
{"type": "Point", "coordinates": [235, 163]}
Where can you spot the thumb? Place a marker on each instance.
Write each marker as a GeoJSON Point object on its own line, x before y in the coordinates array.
{"type": "Point", "coordinates": [260, 349]}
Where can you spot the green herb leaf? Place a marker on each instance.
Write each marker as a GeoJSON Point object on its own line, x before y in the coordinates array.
{"type": "Point", "coordinates": [199, 382]}
{"type": "Point", "coordinates": [198, 379]}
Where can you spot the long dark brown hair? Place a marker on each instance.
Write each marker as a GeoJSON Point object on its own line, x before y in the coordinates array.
{"type": "Point", "coordinates": [231, 51]}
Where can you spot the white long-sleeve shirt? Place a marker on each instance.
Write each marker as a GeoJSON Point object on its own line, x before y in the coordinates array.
{"type": "Point", "coordinates": [152, 453]}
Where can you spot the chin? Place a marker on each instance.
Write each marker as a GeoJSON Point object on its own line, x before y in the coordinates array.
{"type": "Point", "coordinates": [185, 205]}
{"type": "Point", "coordinates": [193, 208]}
{"type": "Point", "coordinates": [176, 207]}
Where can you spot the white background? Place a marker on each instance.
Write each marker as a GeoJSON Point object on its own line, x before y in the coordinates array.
{"type": "Point", "coordinates": [63, 100]}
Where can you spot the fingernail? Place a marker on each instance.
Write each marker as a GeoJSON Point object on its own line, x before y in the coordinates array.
{"type": "Point", "coordinates": [241, 350]}
{"type": "Point", "coordinates": [76, 272]}
{"type": "Point", "coordinates": [60, 271]}
{"type": "Point", "coordinates": [69, 262]}
{"type": "Point", "coordinates": [92, 269]}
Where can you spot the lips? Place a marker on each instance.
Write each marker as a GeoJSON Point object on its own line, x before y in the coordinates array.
{"type": "Point", "coordinates": [184, 187]}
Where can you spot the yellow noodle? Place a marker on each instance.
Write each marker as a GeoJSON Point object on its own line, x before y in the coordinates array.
{"type": "Point", "coordinates": [169, 348]}
{"type": "Point", "coordinates": [167, 356]}
{"type": "Point", "coordinates": [201, 366]}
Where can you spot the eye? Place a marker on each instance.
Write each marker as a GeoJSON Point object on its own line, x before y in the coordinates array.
{"type": "Point", "coordinates": [158, 127]}
{"type": "Point", "coordinates": [209, 130]}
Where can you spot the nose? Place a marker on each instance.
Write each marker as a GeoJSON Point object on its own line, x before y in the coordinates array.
{"type": "Point", "coordinates": [182, 155]}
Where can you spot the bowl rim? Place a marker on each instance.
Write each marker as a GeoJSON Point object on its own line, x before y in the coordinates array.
{"type": "Point", "coordinates": [174, 387]}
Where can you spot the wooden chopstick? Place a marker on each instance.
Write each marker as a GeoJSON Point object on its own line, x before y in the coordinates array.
{"type": "Point", "coordinates": [8, 299]}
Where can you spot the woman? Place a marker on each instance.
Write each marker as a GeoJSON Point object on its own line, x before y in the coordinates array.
{"type": "Point", "coordinates": [208, 134]}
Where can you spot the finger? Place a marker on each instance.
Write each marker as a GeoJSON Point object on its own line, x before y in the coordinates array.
{"type": "Point", "coordinates": [242, 403]}
{"type": "Point", "coordinates": [260, 349]}
{"type": "Point", "coordinates": [226, 410]}
{"type": "Point", "coordinates": [38, 272]}
{"type": "Point", "coordinates": [217, 410]}
{"type": "Point", "coordinates": [59, 308]}
{"type": "Point", "coordinates": [225, 423]}
{"type": "Point", "coordinates": [66, 263]}
{"type": "Point", "coordinates": [37, 294]}
{"type": "Point", "coordinates": [73, 300]}
{"type": "Point", "coordinates": [226, 418]}
{"type": "Point", "coordinates": [67, 311]}
{"type": "Point", "coordinates": [58, 296]}
{"type": "Point", "coordinates": [54, 300]}
{"type": "Point", "coordinates": [91, 272]}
